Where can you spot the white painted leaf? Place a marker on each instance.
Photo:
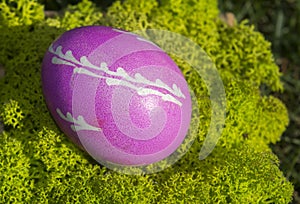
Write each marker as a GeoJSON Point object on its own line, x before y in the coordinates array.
{"type": "Point", "coordinates": [160, 83]}
{"type": "Point", "coordinates": [51, 49]}
{"type": "Point", "coordinates": [56, 60]}
{"type": "Point", "coordinates": [80, 123]}
{"type": "Point", "coordinates": [112, 81]}
{"type": "Point", "coordinates": [122, 73]}
{"type": "Point", "coordinates": [86, 72]}
{"type": "Point", "coordinates": [86, 62]}
{"type": "Point", "coordinates": [73, 128]}
{"type": "Point", "coordinates": [69, 116]}
{"type": "Point", "coordinates": [59, 51]}
{"type": "Point", "coordinates": [140, 78]}
{"type": "Point", "coordinates": [80, 119]}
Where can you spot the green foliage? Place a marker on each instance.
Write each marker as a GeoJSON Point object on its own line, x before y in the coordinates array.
{"type": "Point", "coordinates": [279, 21]}
{"type": "Point", "coordinates": [16, 182]}
{"type": "Point", "coordinates": [248, 55]}
{"type": "Point", "coordinates": [237, 175]}
{"type": "Point", "coordinates": [20, 12]}
{"type": "Point", "coordinates": [85, 13]}
{"type": "Point", "coordinates": [40, 165]}
{"type": "Point", "coordinates": [12, 114]}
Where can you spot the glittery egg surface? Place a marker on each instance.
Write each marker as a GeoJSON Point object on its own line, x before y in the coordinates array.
{"type": "Point", "coordinates": [117, 95]}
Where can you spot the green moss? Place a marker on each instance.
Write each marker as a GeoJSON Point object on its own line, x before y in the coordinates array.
{"type": "Point", "coordinates": [20, 12]}
{"type": "Point", "coordinates": [240, 175]}
{"type": "Point", "coordinates": [40, 165]}
{"type": "Point", "coordinates": [248, 55]}
{"type": "Point", "coordinates": [82, 14]}
{"type": "Point", "coordinates": [16, 180]}
{"type": "Point", "coordinates": [12, 114]}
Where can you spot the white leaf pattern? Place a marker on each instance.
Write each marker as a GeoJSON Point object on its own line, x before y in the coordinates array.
{"type": "Point", "coordinates": [82, 66]}
{"type": "Point", "coordinates": [78, 124]}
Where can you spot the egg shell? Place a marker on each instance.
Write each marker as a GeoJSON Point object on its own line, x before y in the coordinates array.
{"type": "Point", "coordinates": [116, 95]}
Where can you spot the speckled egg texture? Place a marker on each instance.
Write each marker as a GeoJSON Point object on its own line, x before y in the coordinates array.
{"type": "Point", "coordinates": [117, 95]}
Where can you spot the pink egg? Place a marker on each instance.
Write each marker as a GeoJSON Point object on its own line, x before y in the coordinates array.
{"type": "Point", "coordinates": [117, 95]}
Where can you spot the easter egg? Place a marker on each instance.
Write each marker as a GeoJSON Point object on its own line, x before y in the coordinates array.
{"type": "Point", "coordinates": [118, 96]}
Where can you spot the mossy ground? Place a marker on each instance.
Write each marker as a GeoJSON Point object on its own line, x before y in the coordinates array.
{"type": "Point", "coordinates": [279, 22]}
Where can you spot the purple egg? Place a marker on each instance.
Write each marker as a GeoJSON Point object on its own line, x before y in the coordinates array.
{"type": "Point", "coordinates": [117, 95]}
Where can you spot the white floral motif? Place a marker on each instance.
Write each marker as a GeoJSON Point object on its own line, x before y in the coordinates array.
{"type": "Point", "coordinates": [79, 123]}
{"type": "Point", "coordinates": [82, 66]}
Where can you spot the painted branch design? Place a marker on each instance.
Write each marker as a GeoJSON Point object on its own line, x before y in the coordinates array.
{"type": "Point", "coordinates": [82, 66]}
{"type": "Point", "coordinates": [78, 124]}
